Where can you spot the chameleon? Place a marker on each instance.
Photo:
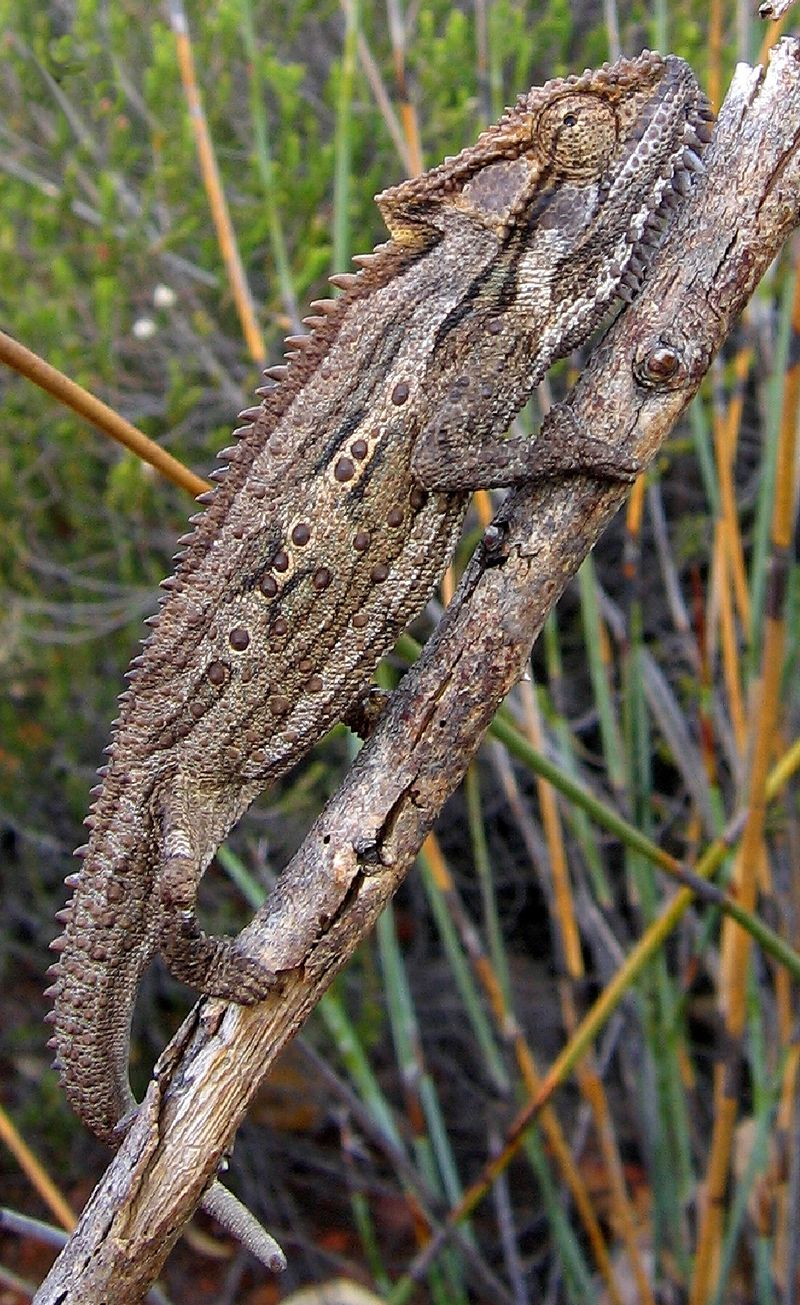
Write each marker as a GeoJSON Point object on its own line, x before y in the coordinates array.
{"type": "Point", "coordinates": [339, 506]}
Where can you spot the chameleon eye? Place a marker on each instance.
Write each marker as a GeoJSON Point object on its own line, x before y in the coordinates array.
{"type": "Point", "coordinates": [577, 134]}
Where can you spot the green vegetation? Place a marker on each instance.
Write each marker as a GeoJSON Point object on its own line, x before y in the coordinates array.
{"type": "Point", "coordinates": [643, 692]}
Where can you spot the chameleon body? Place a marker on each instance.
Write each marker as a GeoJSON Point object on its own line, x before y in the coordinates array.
{"type": "Point", "coordinates": [340, 505]}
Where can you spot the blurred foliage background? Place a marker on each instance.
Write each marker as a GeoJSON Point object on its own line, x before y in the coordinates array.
{"type": "Point", "coordinates": [645, 687]}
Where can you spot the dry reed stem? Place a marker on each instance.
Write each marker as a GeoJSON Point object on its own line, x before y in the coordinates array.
{"type": "Point", "coordinates": [785, 1254]}
{"type": "Point", "coordinates": [589, 1081]}
{"type": "Point", "coordinates": [736, 942]}
{"type": "Point", "coordinates": [526, 1062]}
{"type": "Point", "coordinates": [35, 1172]}
{"type": "Point", "coordinates": [109, 422]}
{"type": "Point", "coordinates": [212, 183]}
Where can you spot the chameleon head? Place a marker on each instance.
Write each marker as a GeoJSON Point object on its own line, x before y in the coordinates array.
{"type": "Point", "coordinates": [581, 172]}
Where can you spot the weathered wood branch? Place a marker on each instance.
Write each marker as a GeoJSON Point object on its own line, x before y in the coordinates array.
{"type": "Point", "coordinates": [639, 381]}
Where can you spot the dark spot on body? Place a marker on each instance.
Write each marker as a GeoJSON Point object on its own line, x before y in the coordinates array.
{"type": "Point", "coordinates": [280, 626]}
{"type": "Point", "coordinates": [217, 672]}
{"type": "Point", "coordinates": [281, 560]}
{"type": "Point", "coordinates": [321, 578]}
{"type": "Point", "coordinates": [344, 470]}
{"type": "Point", "coordinates": [359, 449]}
{"type": "Point", "coordinates": [394, 517]}
{"type": "Point", "coordinates": [418, 498]}
{"type": "Point", "coordinates": [314, 685]}
{"type": "Point", "coordinates": [269, 586]}
{"type": "Point", "coordinates": [360, 620]}
{"type": "Point", "coordinates": [400, 392]}
{"type": "Point", "coordinates": [239, 638]}
{"type": "Point", "coordinates": [279, 705]}
{"type": "Point", "coordinates": [361, 541]}
{"type": "Point", "coordinates": [379, 573]}
{"type": "Point", "coordinates": [301, 534]}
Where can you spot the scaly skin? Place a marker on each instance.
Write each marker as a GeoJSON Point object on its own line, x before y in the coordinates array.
{"type": "Point", "coordinates": [340, 508]}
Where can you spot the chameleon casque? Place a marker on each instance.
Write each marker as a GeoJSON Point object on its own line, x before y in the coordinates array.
{"type": "Point", "coordinates": [338, 509]}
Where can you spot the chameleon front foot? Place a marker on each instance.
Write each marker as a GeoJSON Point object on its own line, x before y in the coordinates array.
{"type": "Point", "coordinates": [455, 455]}
{"type": "Point", "coordinates": [566, 446]}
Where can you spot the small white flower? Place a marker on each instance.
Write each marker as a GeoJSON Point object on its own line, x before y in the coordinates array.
{"type": "Point", "coordinates": [163, 296]}
{"type": "Point", "coordinates": [144, 328]}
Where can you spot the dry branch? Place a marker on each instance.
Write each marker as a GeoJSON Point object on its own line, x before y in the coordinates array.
{"type": "Point", "coordinates": [358, 852]}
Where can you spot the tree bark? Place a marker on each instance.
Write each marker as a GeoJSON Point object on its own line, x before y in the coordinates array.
{"type": "Point", "coordinates": [638, 382]}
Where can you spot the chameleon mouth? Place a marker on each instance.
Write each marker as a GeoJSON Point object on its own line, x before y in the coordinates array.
{"type": "Point", "coordinates": [672, 185]}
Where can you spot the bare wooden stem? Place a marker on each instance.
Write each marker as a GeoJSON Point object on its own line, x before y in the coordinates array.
{"type": "Point", "coordinates": [364, 843]}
